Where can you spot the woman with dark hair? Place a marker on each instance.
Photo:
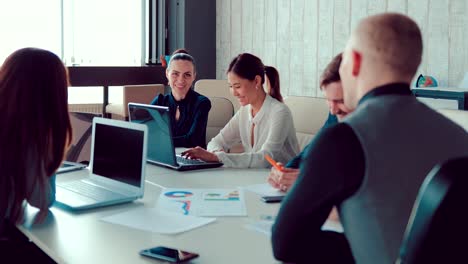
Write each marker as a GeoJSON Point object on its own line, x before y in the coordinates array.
{"type": "Point", "coordinates": [34, 135]}
{"type": "Point", "coordinates": [263, 124]}
{"type": "Point", "coordinates": [188, 109]}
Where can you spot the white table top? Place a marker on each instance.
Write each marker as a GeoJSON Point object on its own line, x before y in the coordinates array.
{"type": "Point", "coordinates": [82, 237]}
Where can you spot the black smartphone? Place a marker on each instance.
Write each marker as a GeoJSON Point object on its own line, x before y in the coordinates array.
{"type": "Point", "coordinates": [168, 254]}
{"type": "Point", "coordinates": [272, 199]}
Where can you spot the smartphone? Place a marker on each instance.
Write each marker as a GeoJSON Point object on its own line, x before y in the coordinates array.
{"type": "Point", "coordinates": [272, 199]}
{"type": "Point", "coordinates": [168, 254]}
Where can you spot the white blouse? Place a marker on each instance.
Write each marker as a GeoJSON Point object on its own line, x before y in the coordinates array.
{"type": "Point", "coordinates": [274, 134]}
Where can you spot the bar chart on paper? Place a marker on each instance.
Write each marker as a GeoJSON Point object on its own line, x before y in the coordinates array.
{"type": "Point", "coordinates": [203, 202]}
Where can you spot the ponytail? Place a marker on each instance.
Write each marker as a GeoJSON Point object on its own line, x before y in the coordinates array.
{"type": "Point", "coordinates": [274, 81]}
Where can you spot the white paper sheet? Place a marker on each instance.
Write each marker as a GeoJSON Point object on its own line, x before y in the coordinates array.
{"type": "Point", "coordinates": [264, 189]}
{"type": "Point", "coordinates": [154, 220]}
{"type": "Point", "coordinates": [203, 202]}
{"type": "Point", "coordinates": [264, 226]}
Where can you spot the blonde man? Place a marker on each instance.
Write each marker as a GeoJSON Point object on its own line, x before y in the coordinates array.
{"type": "Point", "coordinates": [372, 164]}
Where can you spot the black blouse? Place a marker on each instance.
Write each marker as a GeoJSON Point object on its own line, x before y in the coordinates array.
{"type": "Point", "coordinates": [190, 130]}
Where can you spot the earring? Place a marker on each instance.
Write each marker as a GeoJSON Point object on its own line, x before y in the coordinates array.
{"type": "Point", "coordinates": [256, 87]}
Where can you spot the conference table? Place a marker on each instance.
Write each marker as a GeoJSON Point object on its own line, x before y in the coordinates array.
{"type": "Point", "coordinates": [81, 237]}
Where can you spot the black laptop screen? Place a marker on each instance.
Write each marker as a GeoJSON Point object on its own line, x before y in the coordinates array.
{"type": "Point", "coordinates": [118, 153]}
{"type": "Point", "coordinates": [160, 145]}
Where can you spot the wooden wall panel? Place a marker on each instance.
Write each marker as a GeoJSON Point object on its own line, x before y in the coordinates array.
{"type": "Point", "coordinates": [458, 41]}
{"type": "Point", "coordinates": [341, 29]}
{"type": "Point", "coordinates": [225, 32]}
{"type": "Point", "coordinates": [310, 48]}
{"type": "Point", "coordinates": [271, 16]}
{"type": "Point", "coordinates": [438, 41]}
{"type": "Point", "coordinates": [300, 37]}
{"type": "Point", "coordinates": [247, 19]}
{"type": "Point", "coordinates": [376, 6]}
{"type": "Point", "coordinates": [399, 6]}
{"type": "Point", "coordinates": [296, 63]}
{"type": "Point", "coordinates": [283, 50]}
{"type": "Point", "coordinates": [325, 35]}
{"type": "Point", "coordinates": [258, 28]}
{"type": "Point", "coordinates": [358, 12]}
{"type": "Point", "coordinates": [419, 12]}
{"type": "Point", "coordinates": [236, 28]}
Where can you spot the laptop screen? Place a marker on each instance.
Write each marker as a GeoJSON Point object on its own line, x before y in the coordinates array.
{"type": "Point", "coordinates": [160, 145]}
{"type": "Point", "coordinates": [117, 153]}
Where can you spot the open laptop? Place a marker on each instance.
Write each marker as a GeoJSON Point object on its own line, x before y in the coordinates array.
{"type": "Point", "coordinates": [161, 149]}
{"type": "Point", "coordinates": [117, 167]}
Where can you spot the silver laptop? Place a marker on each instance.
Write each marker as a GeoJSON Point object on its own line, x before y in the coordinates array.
{"type": "Point", "coordinates": [161, 149]}
{"type": "Point", "coordinates": [117, 167]}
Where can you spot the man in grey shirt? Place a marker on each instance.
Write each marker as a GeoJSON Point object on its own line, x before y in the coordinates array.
{"type": "Point", "coordinates": [372, 164]}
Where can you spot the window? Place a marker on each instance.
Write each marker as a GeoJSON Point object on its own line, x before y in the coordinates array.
{"type": "Point", "coordinates": [104, 32]}
{"type": "Point", "coordinates": [22, 26]}
{"type": "Point", "coordinates": [81, 32]}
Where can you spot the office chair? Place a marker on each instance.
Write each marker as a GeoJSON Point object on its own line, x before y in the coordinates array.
{"type": "Point", "coordinates": [437, 231]}
{"type": "Point", "coordinates": [79, 150]}
{"type": "Point", "coordinates": [221, 112]}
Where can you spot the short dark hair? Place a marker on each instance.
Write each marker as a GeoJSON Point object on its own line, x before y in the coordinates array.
{"type": "Point", "coordinates": [331, 73]}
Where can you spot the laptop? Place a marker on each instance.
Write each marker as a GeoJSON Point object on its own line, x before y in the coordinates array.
{"type": "Point", "coordinates": [161, 149]}
{"type": "Point", "coordinates": [117, 167]}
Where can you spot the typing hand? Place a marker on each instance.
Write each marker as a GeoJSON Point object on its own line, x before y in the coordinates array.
{"type": "Point", "coordinates": [200, 153]}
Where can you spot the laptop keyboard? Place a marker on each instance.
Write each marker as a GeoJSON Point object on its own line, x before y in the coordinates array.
{"type": "Point", "coordinates": [92, 191]}
{"type": "Point", "coordinates": [182, 160]}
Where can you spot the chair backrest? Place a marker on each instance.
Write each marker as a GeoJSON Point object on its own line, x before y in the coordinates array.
{"type": "Point", "coordinates": [221, 112]}
{"type": "Point", "coordinates": [458, 116]}
{"type": "Point", "coordinates": [216, 88]}
{"type": "Point", "coordinates": [437, 225]}
{"type": "Point", "coordinates": [309, 115]}
{"type": "Point", "coordinates": [143, 94]}
{"type": "Point", "coordinates": [80, 148]}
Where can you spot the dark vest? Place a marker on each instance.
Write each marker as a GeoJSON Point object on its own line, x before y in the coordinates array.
{"type": "Point", "coordinates": [402, 140]}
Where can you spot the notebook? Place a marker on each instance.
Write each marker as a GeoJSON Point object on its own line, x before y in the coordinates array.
{"type": "Point", "coordinates": [161, 149]}
{"type": "Point", "coordinates": [117, 167]}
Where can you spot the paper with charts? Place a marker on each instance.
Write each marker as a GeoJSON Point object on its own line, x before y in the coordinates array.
{"type": "Point", "coordinates": [203, 202]}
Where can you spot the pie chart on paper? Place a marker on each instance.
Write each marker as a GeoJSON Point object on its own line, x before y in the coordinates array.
{"type": "Point", "coordinates": [178, 194]}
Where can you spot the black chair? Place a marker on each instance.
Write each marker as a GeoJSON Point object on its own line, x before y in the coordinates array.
{"type": "Point", "coordinates": [437, 231]}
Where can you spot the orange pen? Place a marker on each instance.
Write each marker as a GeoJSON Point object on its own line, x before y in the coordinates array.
{"type": "Point", "coordinates": [273, 162]}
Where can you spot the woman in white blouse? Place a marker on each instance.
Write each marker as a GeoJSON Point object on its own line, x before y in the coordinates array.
{"type": "Point", "coordinates": [263, 124]}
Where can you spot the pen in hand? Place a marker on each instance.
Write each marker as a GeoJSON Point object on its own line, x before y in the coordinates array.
{"type": "Point", "coordinates": [273, 162]}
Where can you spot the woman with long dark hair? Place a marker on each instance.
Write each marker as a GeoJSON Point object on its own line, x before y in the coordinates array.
{"type": "Point", "coordinates": [34, 135]}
